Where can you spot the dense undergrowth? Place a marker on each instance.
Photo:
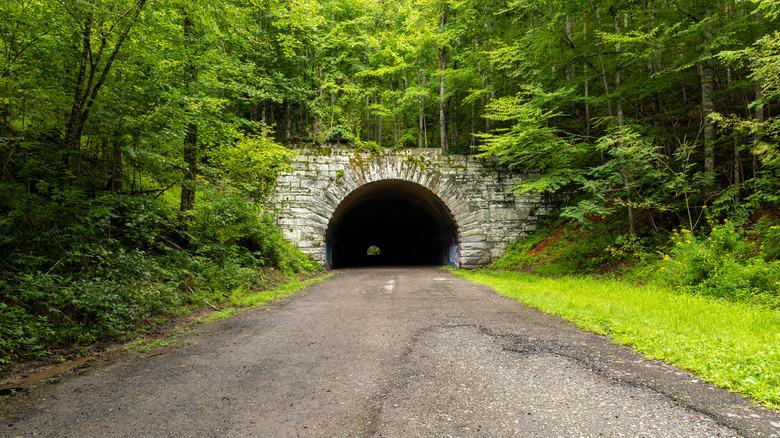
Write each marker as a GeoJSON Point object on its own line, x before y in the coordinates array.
{"type": "Point", "coordinates": [732, 259]}
{"type": "Point", "coordinates": [80, 267]}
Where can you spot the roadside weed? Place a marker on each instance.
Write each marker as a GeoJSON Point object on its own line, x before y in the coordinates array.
{"type": "Point", "coordinates": [145, 345]}
{"type": "Point", "coordinates": [240, 297]}
{"type": "Point", "coordinates": [216, 316]}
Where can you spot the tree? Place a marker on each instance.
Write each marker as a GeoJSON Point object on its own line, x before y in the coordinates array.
{"type": "Point", "coordinates": [106, 29]}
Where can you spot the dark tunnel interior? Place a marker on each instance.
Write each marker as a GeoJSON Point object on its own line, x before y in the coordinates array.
{"type": "Point", "coordinates": [391, 223]}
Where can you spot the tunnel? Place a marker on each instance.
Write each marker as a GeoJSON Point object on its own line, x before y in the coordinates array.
{"type": "Point", "coordinates": [391, 222]}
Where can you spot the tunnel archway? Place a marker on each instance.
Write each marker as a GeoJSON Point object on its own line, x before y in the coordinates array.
{"type": "Point", "coordinates": [391, 222]}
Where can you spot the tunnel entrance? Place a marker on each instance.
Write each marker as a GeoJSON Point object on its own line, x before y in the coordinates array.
{"type": "Point", "coordinates": [391, 222]}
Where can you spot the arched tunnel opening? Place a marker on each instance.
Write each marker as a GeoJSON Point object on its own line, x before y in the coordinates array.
{"type": "Point", "coordinates": [391, 222]}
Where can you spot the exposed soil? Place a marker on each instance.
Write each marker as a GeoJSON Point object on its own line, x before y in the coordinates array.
{"type": "Point", "coordinates": [772, 214]}
{"type": "Point", "coordinates": [542, 246]}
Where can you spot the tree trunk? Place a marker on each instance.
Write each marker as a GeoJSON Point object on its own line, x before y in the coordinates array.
{"type": "Point", "coordinates": [88, 85]}
{"type": "Point", "coordinates": [707, 88]}
{"type": "Point", "coordinates": [760, 114]}
{"type": "Point", "coordinates": [190, 149]}
{"type": "Point", "coordinates": [483, 85]}
{"type": "Point", "coordinates": [454, 127]}
{"type": "Point", "coordinates": [332, 108]}
{"type": "Point", "coordinates": [377, 117]}
{"type": "Point", "coordinates": [654, 66]}
{"type": "Point", "coordinates": [421, 113]}
{"type": "Point", "coordinates": [571, 71]}
{"type": "Point", "coordinates": [316, 123]}
{"type": "Point", "coordinates": [395, 115]}
{"type": "Point", "coordinates": [442, 102]}
{"type": "Point", "coordinates": [621, 126]}
{"type": "Point", "coordinates": [707, 105]}
{"type": "Point", "coordinates": [287, 119]}
{"type": "Point", "coordinates": [368, 118]}
{"type": "Point", "coordinates": [405, 119]}
{"type": "Point", "coordinates": [117, 172]}
{"type": "Point", "coordinates": [585, 76]}
{"type": "Point", "coordinates": [600, 46]}
{"type": "Point", "coordinates": [75, 125]}
{"type": "Point", "coordinates": [487, 84]}
{"type": "Point", "coordinates": [380, 116]}
{"type": "Point", "coordinates": [737, 171]}
{"type": "Point", "coordinates": [264, 113]}
{"type": "Point", "coordinates": [190, 156]}
{"type": "Point", "coordinates": [442, 82]}
{"type": "Point", "coordinates": [473, 129]}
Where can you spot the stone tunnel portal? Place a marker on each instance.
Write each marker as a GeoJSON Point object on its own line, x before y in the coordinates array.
{"type": "Point", "coordinates": [391, 222]}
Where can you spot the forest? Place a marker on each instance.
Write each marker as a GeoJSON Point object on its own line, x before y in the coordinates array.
{"type": "Point", "coordinates": [140, 139]}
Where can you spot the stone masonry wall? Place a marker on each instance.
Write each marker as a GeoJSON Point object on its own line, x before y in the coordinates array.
{"type": "Point", "coordinates": [487, 215]}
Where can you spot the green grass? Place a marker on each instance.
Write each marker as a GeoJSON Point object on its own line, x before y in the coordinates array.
{"type": "Point", "coordinates": [216, 316]}
{"type": "Point", "coordinates": [733, 345]}
{"type": "Point", "coordinates": [147, 345]}
{"type": "Point", "coordinates": [241, 298]}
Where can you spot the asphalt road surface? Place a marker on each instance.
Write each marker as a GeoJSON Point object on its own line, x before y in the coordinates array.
{"type": "Point", "coordinates": [386, 352]}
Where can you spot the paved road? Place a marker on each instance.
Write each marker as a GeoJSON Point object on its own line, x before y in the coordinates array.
{"type": "Point", "coordinates": [386, 352]}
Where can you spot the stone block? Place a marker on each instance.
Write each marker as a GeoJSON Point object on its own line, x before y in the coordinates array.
{"type": "Point", "coordinates": [478, 196]}
{"type": "Point", "coordinates": [475, 238]}
{"type": "Point", "coordinates": [474, 246]}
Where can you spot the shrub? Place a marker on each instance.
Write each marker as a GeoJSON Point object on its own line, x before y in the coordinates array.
{"type": "Point", "coordinates": [79, 268]}
{"type": "Point", "coordinates": [722, 264]}
{"type": "Point", "coordinates": [768, 237]}
{"type": "Point", "coordinates": [340, 133]}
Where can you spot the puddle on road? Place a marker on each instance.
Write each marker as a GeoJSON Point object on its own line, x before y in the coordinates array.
{"type": "Point", "coordinates": [30, 379]}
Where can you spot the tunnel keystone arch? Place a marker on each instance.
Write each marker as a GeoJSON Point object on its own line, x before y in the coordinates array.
{"type": "Point", "coordinates": [312, 200]}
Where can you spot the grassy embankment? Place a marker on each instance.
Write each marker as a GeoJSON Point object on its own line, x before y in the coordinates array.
{"type": "Point", "coordinates": [734, 345]}
{"type": "Point", "coordinates": [236, 301]}
{"type": "Point", "coordinates": [239, 299]}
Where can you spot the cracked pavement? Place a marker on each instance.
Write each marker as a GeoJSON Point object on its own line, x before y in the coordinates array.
{"type": "Point", "coordinates": [386, 352]}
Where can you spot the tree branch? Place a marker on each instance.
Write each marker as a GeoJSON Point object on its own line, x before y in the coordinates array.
{"type": "Point", "coordinates": [111, 59]}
